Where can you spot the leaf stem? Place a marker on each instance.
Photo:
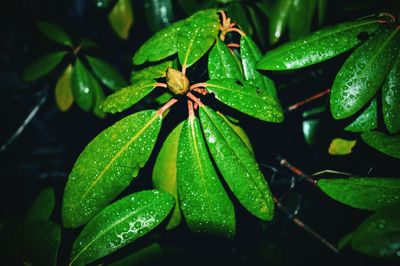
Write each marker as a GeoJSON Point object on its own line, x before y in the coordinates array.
{"type": "Point", "coordinates": [234, 45]}
{"type": "Point", "coordinates": [184, 67]}
{"type": "Point", "coordinates": [310, 99]}
{"type": "Point", "coordinates": [195, 99]}
{"type": "Point", "coordinates": [297, 171]}
{"type": "Point", "coordinates": [190, 108]}
{"type": "Point", "coordinates": [161, 84]}
{"type": "Point", "coordinates": [236, 30]}
{"type": "Point", "coordinates": [166, 106]}
{"type": "Point", "coordinates": [77, 49]}
{"type": "Point", "coordinates": [197, 85]}
{"type": "Point", "coordinates": [202, 91]}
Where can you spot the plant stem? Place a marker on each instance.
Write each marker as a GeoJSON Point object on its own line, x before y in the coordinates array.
{"type": "Point", "coordinates": [297, 171]}
{"type": "Point", "coordinates": [190, 108]}
{"type": "Point", "coordinates": [166, 106]}
{"type": "Point", "coordinates": [236, 30]}
{"type": "Point", "coordinates": [197, 85]}
{"type": "Point", "coordinates": [195, 99]}
{"type": "Point", "coordinates": [234, 45]}
{"type": "Point", "coordinates": [161, 84]}
{"type": "Point", "coordinates": [310, 99]}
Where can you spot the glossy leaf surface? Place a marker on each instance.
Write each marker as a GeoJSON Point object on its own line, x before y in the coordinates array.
{"type": "Point", "coordinates": [249, 100]}
{"type": "Point", "coordinates": [128, 96]}
{"type": "Point", "coordinates": [98, 97]}
{"type": "Point", "coordinates": [300, 18]}
{"type": "Point", "coordinates": [42, 207]}
{"type": "Point", "coordinates": [317, 47]}
{"type": "Point", "coordinates": [82, 87]}
{"type": "Point", "coordinates": [151, 72]}
{"type": "Point", "coordinates": [391, 98]}
{"type": "Point", "coordinates": [108, 165]}
{"type": "Point", "coordinates": [367, 120]}
{"type": "Point", "coordinates": [278, 19]}
{"type": "Point", "coordinates": [106, 73]}
{"type": "Point", "coordinates": [363, 73]}
{"type": "Point", "coordinates": [63, 90]}
{"type": "Point", "coordinates": [387, 144]}
{"type": "Point", "coordinates": [159, 13]}
{"type": "Point", "coordinates": [222, 64]}
{"type": "Point", "coordinates": [204, 202]}
{"type": "Point", "coordinates": [237, 165]}
{"type": "Point", "coordinates": [340, 146]}
{"type": "Point", "coordinates": [54, 33]}
{"type": "Point", "coordinates": [120, 224]}
{"type": "Point", "coordinates": [42, 66]}
{"type": "Point", "coordinates": [164, 172]}
{"type": "Point", "coordinates": [121, 18]}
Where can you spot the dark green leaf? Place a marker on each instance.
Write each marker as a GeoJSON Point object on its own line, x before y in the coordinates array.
{"type": "Point", "coordinates": [258, 25]}
{"type": "Point", "coordinates": [82, 88]}
{"type": "Point", "coordinates": [344, 241]}
{"type": "Point", "coordinates": [86, 44]}
{"type": "Point", "coordinates": [340, 146]}
{"type": "Point", "coordinates": [106, 73]}
{"type": "Point", "coordinates": [322, 4]}
{"type": "Point", "coordinates": [311, 124]}
{"type": "Point", "coordinates": [387, 144]}
{"type": "Point", "coordinates": [159, 13]}
{"type": "Point", "coordinates": [278, 19]}
{"type": "Point", "coordinates": [379, 235]}
{"type": "Point", "coordinates": [363, 73]}
{"type": "Point", "coordinates": [237, 13]}
{"type": "Point", "coordinates": [204, 202]}
{"type": "Point", "coordinates": [63, 90]}
{"type": "Point", "coordinates": [367, 120]}
{"type": "Point", "coordinates": [54, 33]}
{"type": "Point", "coordinates": [108, 165]}
{"type": "Point", "coordinates": [367, 193]}
{"type": "Point", "coordinates": [151, 72]}
{"type": "Point", "coordinates": [42, 66]}
{"type": "Point", "coordinates": [300, 18]}
{"type": "Point", "coordinates": [197, 36]}
{"type": "Point", "coordinates": [120, 224]}
{"type": "Point", "coordinates": [391, 98]}
{"type": "Point", "coordinates": [98, 97]}
{"type": "Point", "coordinates": [39, 242]}
{"type": "Point", "coordinates": [126, 97]}
{"type": "Point", "coordinates": [317, 47]}
{"type": "Point", "coordinates": [222, 64]}
{"type": "Point", "coordinates": [121, 18]}
{"type": "Point", "coordinates": [250, 55]}
{"type": "Point", "coordinates": [237, 165]}
{"type": "Point", "coordinates": [164, 172]}
{"type": "Point", "coordinates": [163, 97]}
{"type": "Point", "coordinates": [144, 256]}
{"type": "Point", "coordinates": [249, 100]}
{"type": "Point", "coordinates": [42, 207]}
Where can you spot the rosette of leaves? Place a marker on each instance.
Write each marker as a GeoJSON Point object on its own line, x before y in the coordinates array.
{"type": "Point", "coordinates": [368, 79]}
{"type": "Point", "coordinates": [82, 75]}
{"type": "Point", "coordinates": [201, 150]}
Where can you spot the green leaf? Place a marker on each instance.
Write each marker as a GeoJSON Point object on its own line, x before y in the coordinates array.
{"type": "Point", "coordinates": [204, 202]}
{"type": "Point", "coordinates": [98, 97]}
{"type": "Point", "coordinates": [340, 146]}
{"type": "Point", "coordinates": [317, 47]}
{"type": "Point", "coordinates": [159, 13]}
{"type": "Point", "coordinates": [197, 36]}
{"type": "Point", "coordinates": [108, 165]}
{"type": "Point", "coordinates": [163, 98]}
{"type": "Point", "coordinates": [126, 97]}
{"type": "Point", "coordinates": [322, 6]}
{"type": "Point", "coordinates": [164, 172]}
{"type": "Point", "coordinates": [379, 235]}
{"type": "Point", "coordinates": [121, 18]}
{"type": "Point", "coordinates": [120, 224]}
{"type": "Point", "coordinates": [387, 144]}
{"type": "Point", "coordinates": [300, 18]}
{"type": "Point", "coordinates": [391, 98]}
{"type": "Point", "coordinates": [367, 193]}
{"type": "Point", "coordinates": [278, 19]}
{"type": "Point", "coordinates": [54, 33]}
{"type": "Point", "coordinates": [258, 24]}
{"type": "Point", "coordinates": [367, 120]}
{"type": "Point", "coordinates": [42, 66]}
{"type": "Point", "coordinates": [250, 55]}
{"type": "Point", "coordinates": [151, 72]}
{"type": "Point", "coordinates": [363, 73]}
{"type": "Point", "coordinates": [106, 73]}
{"type": "Point", "coordinates": [312, 124]}
{"type": "Point", "coordinates": [39, 242]}
{"type": "Point", "coordinates": [42, 207]}
{"type": "Point", "coordinates": [82, 89]}
{"type": "Point", "coordinates": [222, 64]}
{"type": "Point", "coordinates": [344, 241]}
{"type": "Point", "coordinates": [63, 90]}
{"type": "Point", "coordinates": [237, 165]}
{"type": "Point", "coordinates": [144, 256]}
{"type": "Point", "coordinates": [249, 100]}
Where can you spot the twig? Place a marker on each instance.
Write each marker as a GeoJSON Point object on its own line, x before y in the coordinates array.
{"type": "Point", "coordinates": [195, 99]}
{"type": "Point", "coordinates": [190, 108]}
{"type": "Point", "coordinates": [166, 106]}
{"type": "Point", "coordinates": [161, 84]}
{"type": "Point", "coordinates": [236, 30]}
{"type": "Point", "coordinates": [297, 171]}
{"type": "Point", "coordinates": [328, 171]}
{"type": "Point", "coordinates": [197, 85]}
{"type": "Point", "coordinates": [310, 99]}
{"type": "Point", "coordinates": [233, 45]}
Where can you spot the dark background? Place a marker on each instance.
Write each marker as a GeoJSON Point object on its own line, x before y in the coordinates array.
{"type": "Point", "coordinates": [45, 152]}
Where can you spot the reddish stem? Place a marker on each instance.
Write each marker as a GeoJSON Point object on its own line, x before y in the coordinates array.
{"type": "Point", "coordinates": [236, 30]}
{"type": "Point", "coordinates": [195, 99]}
{"type": "Point", "coordinates": [190, 108]}
{"type": "Point", "coordinates": [233, 45]}
{"type": "Point", "coordinates": [223, 15]}
{"type": "Point", "coordinates": [202, 91]}
{"type": "Point", "coordinates": [297, 171]}
{"type": "Point", "coordinates": [166, 106]}
{"type": "Point", "coordinates": [197, 85]}
{"type": "Point", "coordinates": [310, 99]}
{"type": "Point", "coordinates": [160, 84]}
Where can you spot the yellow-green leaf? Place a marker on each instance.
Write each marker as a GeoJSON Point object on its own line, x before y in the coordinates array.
{"type": "Point", "coordinates": [340, 146]}
{"type": "Point", "coordinates": [121, 18]}
{"type": "Point", "coordinates": [63, 90]}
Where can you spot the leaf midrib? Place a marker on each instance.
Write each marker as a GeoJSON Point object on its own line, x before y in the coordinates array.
{"type": "Point", "coordinates": [261, 98]}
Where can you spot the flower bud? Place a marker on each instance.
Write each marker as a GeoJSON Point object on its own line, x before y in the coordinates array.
{"type": "Point", "coordinates": [177, 82]}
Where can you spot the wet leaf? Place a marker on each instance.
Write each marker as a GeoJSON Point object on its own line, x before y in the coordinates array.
{"type": "Point", "coordinates": [144, 256]}
{"type": "Point", "coordinates": [237, 165]}
{"type": "Point", "coordinates": [151, 72]}
{"type": "Point", "coordinates": [42, 207]}
{"type": "Point", "coordinates": [391, 98]}
{"type": "Point", "coordinates": [367, 120]}
{"type": "Point", "coordinates": [198, 35]}
{"type": "Point", "coordinates": [82, 88]}
{"type": "Point", "coordinates": [387, 144]}
{"type": "Point", "coordinates": [312, 124]}
{"type": "Point", "coordinates": [106, 73]}
{"type": "Point", "coordinates": [54, 33]}
{"type": "Point", "coordinates": [204, 202]}
{"type": "Point", "coordinates": [340, 146]}
{"type": "Point", "coordinates": [317, 47]}
{"type": "Point", "coordinates": [159, 13]}
{"type": "Point", "coordinates": [379, 235]}
{"type": "Point", "coordinates": [222, 64]}
{"type": "Point", "coordinates": [107, 165]}
{"type": "Point", "coordinates": [363, 73]}
{"type": "Point", "coordinates": [164, 172]}
{"type": "Point", "coordinates": [300, 18]}
{"type": "Point", "coordinates": [120, 224]}
{"type": "Point", "coordinates": [127, 97]}
{"type": "Point", "coordinates": [121, 18]}
{"type": "Point", "coordinates": [249, 100]}
{"type": "Point", "coordinates": [367, 193]}
{"type": "Point", "coordinates": [278, 19]}
{"type": "Point", "coordinates": [42, 66]}
{"type": "Point", "coordinates": [63, 90]}
{"type": "Point", "coordinates": [163, 98]}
